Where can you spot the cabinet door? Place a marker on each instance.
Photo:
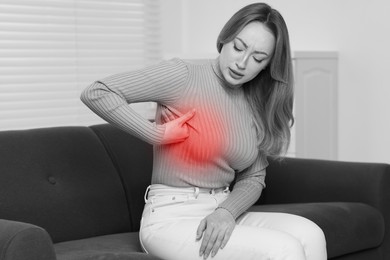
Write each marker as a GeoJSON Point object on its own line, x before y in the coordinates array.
{"type": "Point", "coordinates": [316, 105]}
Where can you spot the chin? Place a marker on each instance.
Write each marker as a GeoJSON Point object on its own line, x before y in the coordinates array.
{"type": "Point", "coordinates": [235, 82]}
{"type": "Point", "coordinates": [232, 81]}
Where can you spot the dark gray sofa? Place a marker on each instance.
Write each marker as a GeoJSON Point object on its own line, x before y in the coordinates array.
{"type": "Point", "coordinates": [77, 193]}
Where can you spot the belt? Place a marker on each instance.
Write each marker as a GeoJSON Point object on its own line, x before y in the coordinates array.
{"type": "Point", "coordinates": [161, 189]}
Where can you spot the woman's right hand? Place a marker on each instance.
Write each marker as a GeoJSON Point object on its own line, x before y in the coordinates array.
{"type": "Point", "coordinates": [176, 130]}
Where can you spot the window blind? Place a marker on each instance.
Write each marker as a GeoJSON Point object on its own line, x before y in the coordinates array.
{"type": "Point", "coordinates": [50, 50]}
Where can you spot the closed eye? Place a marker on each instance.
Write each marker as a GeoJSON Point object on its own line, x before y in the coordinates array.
{"type": "Point", "coordinates": [257, 60]}
{"type": "Point", "coordinates": [235, 48]}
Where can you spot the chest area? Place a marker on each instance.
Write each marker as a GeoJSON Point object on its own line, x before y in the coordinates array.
{"type": "Point", "coordinates": [222, 130]}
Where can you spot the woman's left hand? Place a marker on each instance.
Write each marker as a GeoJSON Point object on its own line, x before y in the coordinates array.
{"type": "Point", "coordinates": [216, 229]}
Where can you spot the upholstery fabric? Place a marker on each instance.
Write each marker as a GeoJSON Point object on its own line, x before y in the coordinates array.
{"type": "Point", "coordinates": [348, 227]}
{"type": "Point", "coordinates": [297, 180]}
{"type": "Point", "coordinates": [117, 246]}
{"type": "Point", "coordinates": [24, 241]}
{"type": "Point", "coordinates": [62, 180]}
{"type": "Point", "coordinates": [370, 254]}
{"type": "Point", "coordinates": [136, 173]}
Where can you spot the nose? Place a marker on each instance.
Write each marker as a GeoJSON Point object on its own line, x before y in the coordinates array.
{"type": "Point", "coordinates": [242, 62]}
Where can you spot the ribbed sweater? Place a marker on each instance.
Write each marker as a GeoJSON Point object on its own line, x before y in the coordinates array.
{"type": "Point", "coordinates": [222, 145]}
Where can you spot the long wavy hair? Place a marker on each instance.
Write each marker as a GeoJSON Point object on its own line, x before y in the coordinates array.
{"type": "Point", "coordinates": [271, 93]}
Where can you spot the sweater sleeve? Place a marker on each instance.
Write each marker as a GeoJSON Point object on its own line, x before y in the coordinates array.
{"type": "Point", "coordinates": [109, 98]}
{"type": "Point", "coordinates": [247, 189]}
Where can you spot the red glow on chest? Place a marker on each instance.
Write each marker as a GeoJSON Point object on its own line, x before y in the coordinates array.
{"type": "Point", "coordinates": [204, 145]}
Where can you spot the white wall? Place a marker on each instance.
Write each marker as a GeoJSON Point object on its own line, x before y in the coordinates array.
{"type": "Point", "coordinates": [357, 29]}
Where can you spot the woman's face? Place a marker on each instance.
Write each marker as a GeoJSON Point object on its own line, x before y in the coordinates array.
{"type": "Point", "coordinates": [247, 54]}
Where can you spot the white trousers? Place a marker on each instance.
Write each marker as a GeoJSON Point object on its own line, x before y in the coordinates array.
{"type": "Point", "coordinates": [172, 215]}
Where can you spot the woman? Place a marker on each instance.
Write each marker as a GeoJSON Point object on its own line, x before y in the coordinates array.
{"type": "Point", "coordinates": [216, 122]}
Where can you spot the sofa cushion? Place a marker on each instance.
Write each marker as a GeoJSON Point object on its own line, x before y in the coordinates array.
{"type": "Point", "coordinates": [117, 246]}
{"type": "Point", "coordinates": [348, 227]}
{"type": "Point", "coordinates": [63, 180]}
{"type": "Point", "coordinates": [135, 172]}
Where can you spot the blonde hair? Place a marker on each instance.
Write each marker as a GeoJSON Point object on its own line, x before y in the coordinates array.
{"type": "Point", "coordinates": [271, 93]}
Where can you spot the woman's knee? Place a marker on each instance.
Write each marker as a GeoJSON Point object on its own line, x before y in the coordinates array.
{"type": "Point", "coordinates": [288, 248]}
{"type": "Point", "coordinates": [312, 238]}
{"type": "Point", "coordinates": [312, 232]}
{"type": "Point", "coordinates": [249, 242]}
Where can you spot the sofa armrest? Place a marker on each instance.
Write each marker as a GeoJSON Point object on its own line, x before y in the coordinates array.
{"type": "Point", "coordinates": [23, 241]}
{"type": "Point", "coordinates": [295, 180]}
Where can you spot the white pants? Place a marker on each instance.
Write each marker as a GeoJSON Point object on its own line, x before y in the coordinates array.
{"type": "Point", "coordinates": [172, 215]}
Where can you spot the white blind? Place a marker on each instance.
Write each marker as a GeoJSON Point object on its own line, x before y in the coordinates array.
{"type": "Point", "coordinates": [50, 50]}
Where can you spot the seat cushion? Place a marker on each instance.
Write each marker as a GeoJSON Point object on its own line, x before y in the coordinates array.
{"type": "Point", "coordinates": [123, 246]}
{"type": "Point", "coordinates": [348, 227]}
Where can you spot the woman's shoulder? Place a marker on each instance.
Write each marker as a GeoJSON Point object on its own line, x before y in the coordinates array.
{"type": "Point", "coordinates": [197, 63]}
{"type": "Point", "coordinates": [189, 62]}
{"type": "Point", "coordinates": [172, 62]}
{"type": "Point", "coordinates": [201, 65]}
{"type": "Point", "coordinates": [194, 67]}
{"type": "Point", "coordinates": [166, 67]}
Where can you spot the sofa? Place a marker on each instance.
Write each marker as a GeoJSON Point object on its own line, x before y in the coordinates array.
{"type": "Point", "coordinates": [77, 193]}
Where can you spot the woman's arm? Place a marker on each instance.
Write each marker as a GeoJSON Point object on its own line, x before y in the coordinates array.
{"type": "Point", "coordinates": [247, 189]}
{"type": "Point", "coordinates": [109, 98]}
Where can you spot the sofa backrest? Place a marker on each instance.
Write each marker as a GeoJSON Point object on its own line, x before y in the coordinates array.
{"type": "Point", "coordinates": [133, 160]}
{"type": "Point", "coordinates": [63, 180]}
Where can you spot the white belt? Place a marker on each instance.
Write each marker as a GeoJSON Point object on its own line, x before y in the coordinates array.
{"type": "Point", "coordinates": [161, 189]}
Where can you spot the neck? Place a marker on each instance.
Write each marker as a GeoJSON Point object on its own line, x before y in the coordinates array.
{"type": "Point", "coordinates": [218, 72]}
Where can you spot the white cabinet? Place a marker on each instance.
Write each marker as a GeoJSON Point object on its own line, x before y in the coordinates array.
{"type": "Point", "coordinates": [315, 130]}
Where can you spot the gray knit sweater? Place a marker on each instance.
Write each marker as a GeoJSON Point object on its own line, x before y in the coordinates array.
{"type": "Point", "coordinates": [222, 144]}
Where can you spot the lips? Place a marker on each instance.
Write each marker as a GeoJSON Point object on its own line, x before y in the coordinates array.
{"type": "Point", "coordinates": [235, 74]}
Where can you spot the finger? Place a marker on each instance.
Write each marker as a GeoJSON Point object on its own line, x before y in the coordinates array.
{"type": "Point", "coordinates": [218, 243]}
{"type": "Point", "coordinates": [210, 245]}
{"type": "Point", "coordinates": [226, 237]}
{"type": "Point", "coordinates": [205, 241]}
{"type": "Point", "coordinates": [170, 115]}
{"type": "Point", "coordinates": [164, 116]}
{"type": "Point", "coordinates": [187, 116]}
{"type": "Point", "coordinates": [201, 228]}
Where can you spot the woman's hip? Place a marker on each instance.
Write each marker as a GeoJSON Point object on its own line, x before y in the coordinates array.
{"type": "Point", "coordinates": [166, 204]}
